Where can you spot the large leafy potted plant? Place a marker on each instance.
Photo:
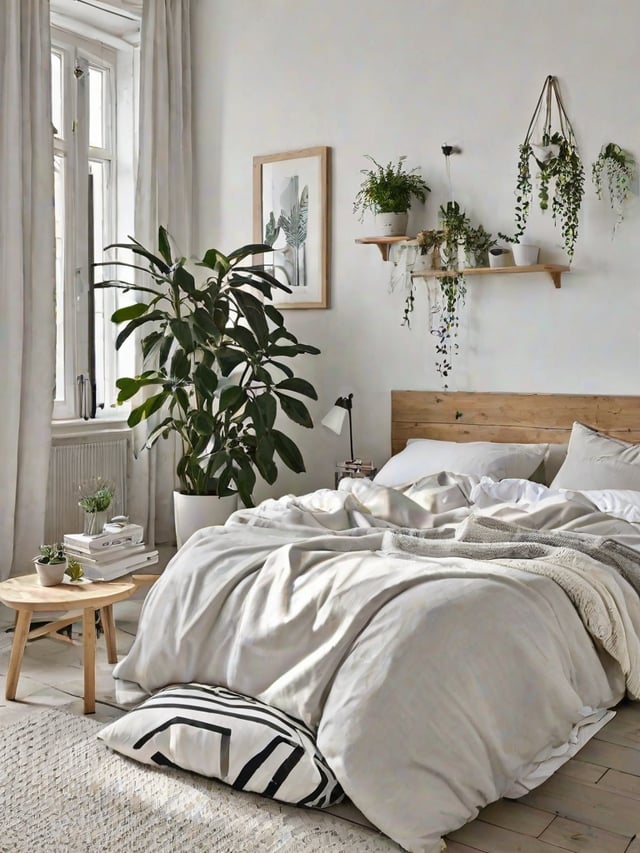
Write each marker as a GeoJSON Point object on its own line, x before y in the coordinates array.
{"type": "Point", "coordinates": [387, 192]}
{"type": "Point", "coordinates": [216, 371]}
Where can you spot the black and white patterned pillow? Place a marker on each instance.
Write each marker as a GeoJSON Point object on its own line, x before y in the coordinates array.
{"type": "Point", "coordinates": [221, 734]}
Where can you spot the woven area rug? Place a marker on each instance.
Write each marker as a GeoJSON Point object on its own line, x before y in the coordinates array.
{"type": "Point", "coordinates": [63, 791]}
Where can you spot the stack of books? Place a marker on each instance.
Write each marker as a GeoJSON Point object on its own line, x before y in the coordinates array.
{"type": "Point", "coordinates": [117, 551]}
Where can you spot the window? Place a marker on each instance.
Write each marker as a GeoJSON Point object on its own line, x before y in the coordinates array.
{"type": "Point", "coordinates": [92, 92]}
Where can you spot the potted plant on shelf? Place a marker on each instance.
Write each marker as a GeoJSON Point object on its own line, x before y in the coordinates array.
{"type": "Point", "coordinates": [557, 159]}
{"type": "Point", "coordinates": [614, 171]}
{"type": "Point", "coordinates": [476, 243]}
{"type": "Point", "coordinates": [51, 564]}
{"type": "Point", "coordinates": [429, 242]}
{"type": "Point", "coordinates": [387, 191]}
{"type": "Point", "coordinates": [217, 353]}
{"type": "Point", "coordinates": [95, 500]}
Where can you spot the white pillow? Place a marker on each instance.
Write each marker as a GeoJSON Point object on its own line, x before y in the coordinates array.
{"type": "Point", "coordinates": [423, 456]}
{"type": "Point", "coordinates": [221, 734]}
{"type": "Point", "coordinates": [598, 461]}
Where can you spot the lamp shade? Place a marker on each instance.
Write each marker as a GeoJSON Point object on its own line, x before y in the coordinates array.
{"type": "Point", "coordinates": [334, 419]}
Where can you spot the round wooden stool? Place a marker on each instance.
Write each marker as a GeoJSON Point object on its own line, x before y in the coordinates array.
{"type": "Point", "coordinates": [25, 595]}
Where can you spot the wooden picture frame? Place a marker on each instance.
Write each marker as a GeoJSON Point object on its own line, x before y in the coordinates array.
{"type": "Point", "coordinates": [291, 213]}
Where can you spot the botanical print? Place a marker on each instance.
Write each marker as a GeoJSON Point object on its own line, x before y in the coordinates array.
{"type": "Point", "coordinates": [290, 215]}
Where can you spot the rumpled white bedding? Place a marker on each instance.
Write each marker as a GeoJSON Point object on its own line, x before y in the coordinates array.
{"type": "Point", "coordinates": [438, 679]}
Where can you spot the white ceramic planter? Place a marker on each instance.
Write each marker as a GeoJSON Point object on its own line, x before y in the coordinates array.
{"type": "Point", "coordinates": [391, 224]}
{"type": "Point", "coordinates": [50, 574]}
{"type": "Point", "coordinates": [193, 512]}
{"type": "Point", "coordinates": [501, 260]}
{"type": "Point", "coordinates": [525, 255]}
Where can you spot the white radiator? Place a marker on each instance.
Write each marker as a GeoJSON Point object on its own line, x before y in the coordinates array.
{"type": "Point", "coordinates": [74, 461]}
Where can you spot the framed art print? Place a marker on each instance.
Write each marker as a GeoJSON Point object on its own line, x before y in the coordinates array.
{"type": "Point", "coordinates": [291, 214]}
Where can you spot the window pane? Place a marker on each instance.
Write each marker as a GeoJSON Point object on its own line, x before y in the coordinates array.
{"type": "Point", "coordinates": [103, 299]}
{"type": "Point", "coordinates": [59, 170]}
{"type": "Point", "coordinates": [56, 93]}
{"type": "Point", "coordinates": [96, 107]}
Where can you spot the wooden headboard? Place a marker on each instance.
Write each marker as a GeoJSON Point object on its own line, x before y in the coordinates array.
{"type": "Point", "coordinates": [529, 418]}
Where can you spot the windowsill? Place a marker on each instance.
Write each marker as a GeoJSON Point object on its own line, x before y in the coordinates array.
{"type": "Point", "coordinates": [69, 427]}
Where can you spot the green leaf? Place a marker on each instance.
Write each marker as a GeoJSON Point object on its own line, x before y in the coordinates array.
{"type": "Point", "coordinates": [264, 458]}
{"type": "Point", "coordinates": [164, 245]}
{"type": "Point", "coordinates": [295, 410]}
{"type": "Point", "coordinates": [128, 388]}
{"type": "Point", "coordinates": [288, 452]}
{"type": "Point", "coordinates": [253, 311]}
{"type": "Point", "coordinates": [203, 423]}
{"type": "Point", "coordinates": [165, 349]}
{"type": "Point", "coordinates": [184, 280]}
{"type": "Point", "coordinates": [244, 339]}
{"type": "Point", "coordinates": [182, 333]}
{"type": "Point", "coordinates": [267, 409]}
{"type": "Point", "coordinates": [215, 260]}
{"type": "Point", "coordinates": [180, 365]}
{"type": "Point", "coordinates": [232, 397]}
{"type": "Point", "coordinates": [129, 312]}
{"type": "Point", "coordinates": [154, 403]}
{"type": "Point", "coordinates": [298, 386]}
{"type": "Point", "coordinates": [135, 323]}
{"type": "Point", "coordinates": [205, 381]}
{"type": "Point", "coordinates": [250, 249]}
{"type": "Point", "coordinates": [274, 315]}
{"type": "Point", "coordinates": [229, 358]}
{"type": "Point", "coordinates": [203, 319]}
{"type": "Point", "coordinates": [138, 249]}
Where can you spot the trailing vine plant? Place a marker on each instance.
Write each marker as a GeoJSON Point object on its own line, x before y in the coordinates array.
{"type": "Point", "coordinates": [561, 173]}
{"type": "Point", "coordinates": [614, 170]}
{"type": "Point", "coordinates": [447, 301]}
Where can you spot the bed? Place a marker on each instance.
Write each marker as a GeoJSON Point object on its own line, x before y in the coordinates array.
{"type": "Point", "coordinates": [445, 638]}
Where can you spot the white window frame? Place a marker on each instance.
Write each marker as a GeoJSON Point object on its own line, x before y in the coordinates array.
{"type": "Point", "coordinates": [120, 60]}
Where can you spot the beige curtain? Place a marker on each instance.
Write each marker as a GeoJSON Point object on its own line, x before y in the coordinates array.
{"type": "Point", "coordinates": [27, 277]}
{"type": "Point", "coordinates": [163, 197]}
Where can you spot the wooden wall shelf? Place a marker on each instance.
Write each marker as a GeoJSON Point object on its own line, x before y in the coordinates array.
{"type": "Point", "coordinates": [554, 271]}
{"type": "Point", "coordinates": [382, 243]}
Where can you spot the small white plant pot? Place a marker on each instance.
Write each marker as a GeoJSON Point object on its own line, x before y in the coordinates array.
{"type": "Point", "coordinates": [50, 574]}
{"type": "Point", "coordinates": [501, 260]}
{"type": "Point", "coordinates": [391, 224]}
{"type": "Point", "coordinates": [466, 259]}
{"type": "Point", "coordinates": [525, 255]}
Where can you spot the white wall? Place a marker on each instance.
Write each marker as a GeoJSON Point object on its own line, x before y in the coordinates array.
{"type": "Point", "coordinates": [381, 78]}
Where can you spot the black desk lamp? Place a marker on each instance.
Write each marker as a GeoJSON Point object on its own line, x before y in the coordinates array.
{"type": "Point", "coordinates": [335, 418]}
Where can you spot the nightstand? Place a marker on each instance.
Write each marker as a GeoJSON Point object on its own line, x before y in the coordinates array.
{"type": "Point", "coordinates": [357, 468]}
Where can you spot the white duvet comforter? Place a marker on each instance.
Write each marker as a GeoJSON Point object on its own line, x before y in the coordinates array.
{"type": "Point", "coordinates": [439, 672]}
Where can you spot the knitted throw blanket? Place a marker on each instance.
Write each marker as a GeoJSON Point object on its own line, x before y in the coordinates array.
{"type": "Point", "coordinates": [585, 567]}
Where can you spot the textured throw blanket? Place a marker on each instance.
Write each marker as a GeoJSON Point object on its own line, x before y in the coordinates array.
{"type": "Point", "coordinates": [574, 561]}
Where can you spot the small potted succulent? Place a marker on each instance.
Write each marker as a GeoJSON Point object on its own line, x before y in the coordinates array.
{"type": "Point", "coordinates": [51, 564]}
{"type": "Point", "coordinates": [95, 500]}
{"type": "Point", "coordinates": [387, 191]}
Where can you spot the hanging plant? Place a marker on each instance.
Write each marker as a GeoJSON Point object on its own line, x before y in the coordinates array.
{"type": "Point", "coordinates": [447, 298]}
{"type": "Point", "coordinates": [560, 169]}
{"type": "Point", "coordinates": [614, 170]}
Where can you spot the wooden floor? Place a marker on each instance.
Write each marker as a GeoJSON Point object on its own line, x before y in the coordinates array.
{"type": "Point", "coordinates": [591, 805]}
